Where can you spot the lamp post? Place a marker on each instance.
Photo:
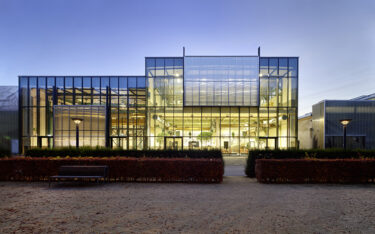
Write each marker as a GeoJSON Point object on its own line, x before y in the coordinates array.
{"type": "Point", "coordinates": [77, 121]}
{"type": "Point", "coordinates": [344, 123]}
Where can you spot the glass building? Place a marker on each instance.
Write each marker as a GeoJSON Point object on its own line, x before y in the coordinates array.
{"type": "Point", "coordinates": [235, 103]}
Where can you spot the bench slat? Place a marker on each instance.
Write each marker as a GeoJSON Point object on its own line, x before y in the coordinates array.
{"type": "Point", "coordinates": [83, 170]}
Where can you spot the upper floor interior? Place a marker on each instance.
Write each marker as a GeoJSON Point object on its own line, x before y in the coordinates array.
{"type": "Point", "coordinates": [176, 81]}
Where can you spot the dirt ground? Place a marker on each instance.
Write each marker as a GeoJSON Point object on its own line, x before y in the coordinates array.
{"type": "Point", "coordinates": [238, 205]}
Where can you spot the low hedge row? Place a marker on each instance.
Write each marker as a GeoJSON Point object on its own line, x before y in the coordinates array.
{"type": "Point", "coordinates": [300, 154]}
{"type": "Point", "coordinates": [315, 170]}
{"type": "Point", "coordinates": [120, 169]}
{"type": "Point", "coordinates": [4, 152]}
{"type": "Point", "coordinates": [108, 152]}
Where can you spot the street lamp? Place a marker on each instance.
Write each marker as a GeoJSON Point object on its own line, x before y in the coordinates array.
{"type": "Point", "coordinates": [77, 121]}
{"type": "Point", "coordinates": [344, 123]}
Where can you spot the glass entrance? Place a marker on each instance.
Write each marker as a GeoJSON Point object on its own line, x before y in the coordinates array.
{"type": "Point", "coordinates": [119, 142]}
{"type": "Point", "coordinates": [173, 143]}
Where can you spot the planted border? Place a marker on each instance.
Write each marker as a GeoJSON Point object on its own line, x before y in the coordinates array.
{"type": "Point", "coordinates": [315, 171]}
{"type": "Point", "coordinates": [120, 169]}
{"type": "Point", "coordinates": [301, 154]}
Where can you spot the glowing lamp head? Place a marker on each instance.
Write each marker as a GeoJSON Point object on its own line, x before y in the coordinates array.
{"type": "Point", "coordinates": [345, 122]}
{"type": "Point", "coordinates": [77, 121]}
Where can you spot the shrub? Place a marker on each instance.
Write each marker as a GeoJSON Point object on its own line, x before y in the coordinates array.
{"type": "Point", "coordinates": [315, 171]}
{"type": "Point", "coordinates": [120, 169]}
{"type": "Point", "coordinates": [4, 153]}
{"type": "Point", "coordinates": [108, 152]}
{"type": "Point", "coordinates": [300, 154]}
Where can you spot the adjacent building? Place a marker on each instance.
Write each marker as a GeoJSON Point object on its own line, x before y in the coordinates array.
{"type": "Point", "coordinates": [327, 131]}
{"type": "Point", "coordinates": [234, 103]}
{"type": "Point", "coordinates": [9, 118]}
{"type": "Point", "coordinates": [305, 131]}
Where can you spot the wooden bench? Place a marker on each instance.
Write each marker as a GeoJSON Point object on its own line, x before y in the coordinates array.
{"type": "Point", "coordinates": [81, 173]}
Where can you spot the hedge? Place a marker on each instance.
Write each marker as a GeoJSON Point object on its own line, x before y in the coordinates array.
{"type": "Point", "coordinates": [315, 170]}
{"type": "Point", "coordinates": [4, 153]}
{"type": "Point", "coordinates": [108, 152]}
{"type": "Point", "coordinates": [120, 169]}
{"type": "Point", "coordinates": [299, 154]}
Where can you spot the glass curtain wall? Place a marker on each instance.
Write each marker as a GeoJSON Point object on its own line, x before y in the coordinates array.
{"type": "Point", "coordinates": [127, 100]}
{"type": "Point", "coordinates": [125, 97]}
{"type": "Point", "coordinates": [278, 102]}
{"type": "Point", "coordinates": [233, 128]}
{"type": "Point", "coordinates": [221, 81]}
{"type": "Point", "coordinates": [34, 103]}
{"type": "Point", "coordinates": [165, 102]}
{"type": "Point", "coordinates": [91, 129]}
{"type": "Point", "coordinates": [235, 113]}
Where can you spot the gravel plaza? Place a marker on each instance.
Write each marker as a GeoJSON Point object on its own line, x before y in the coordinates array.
{"type": "Point", "coordinates": [238, 205]}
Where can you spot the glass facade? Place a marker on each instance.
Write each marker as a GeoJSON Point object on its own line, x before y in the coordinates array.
{"type": "Point", "coordinates": [91, 129]}
{"type": "Point", "coordinates": [124, 98]}
{"type": "Point", "coordinates": [221, 81]}
{"type": "Point", "coordinates": [232, 103]}
{"type": "Point", "coordinates": [278, 101]}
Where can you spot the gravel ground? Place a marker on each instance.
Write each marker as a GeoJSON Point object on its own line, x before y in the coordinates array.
{"type": "Point", "coordinates": [239, 205]}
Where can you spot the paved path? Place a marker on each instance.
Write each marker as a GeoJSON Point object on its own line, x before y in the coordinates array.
{"type": "Point", "coordinates": [234, 171]}
{"type": "Point", "coordinates": [234, 166]}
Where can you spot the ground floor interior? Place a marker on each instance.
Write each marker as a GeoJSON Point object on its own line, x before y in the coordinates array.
{"type": "Point", "coordinates": [231, 129]}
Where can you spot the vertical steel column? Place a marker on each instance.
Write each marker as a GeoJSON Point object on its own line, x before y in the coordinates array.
{"type": "Point", "coordinates": [77, 136]}
{"type": "Point", "coordinates": [20, 115]}
{"type": "Point", "coordinates": [344, 140]}
{"type": "Point", "coordinates": [54, 94]}
{"type": "Point", "coordinates": [107, 116]}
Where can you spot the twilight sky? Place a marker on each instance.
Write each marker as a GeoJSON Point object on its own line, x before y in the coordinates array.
{"type": "Point", "coordinates": [334, 39]}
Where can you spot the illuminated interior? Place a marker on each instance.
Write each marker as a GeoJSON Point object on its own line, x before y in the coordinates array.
{"type": "Point", "coordinates": [232, 103]}
{"type": "Point", "coordinates": [91, 123]}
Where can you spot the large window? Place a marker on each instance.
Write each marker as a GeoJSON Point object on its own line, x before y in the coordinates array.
{"type": "Point", "coordinates": [165, 81]}
{"type": "Point", "coordinates": [91, 129]}
{"type": "Point", "coordinates": [221, 81]}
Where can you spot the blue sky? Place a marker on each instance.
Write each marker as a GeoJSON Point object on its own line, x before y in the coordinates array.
{"type": "Point", "coordinates": [334, 39]}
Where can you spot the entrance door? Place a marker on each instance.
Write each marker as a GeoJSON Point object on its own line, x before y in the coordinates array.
{"type": "Point", "coordinates": [173, 143]}
{"type": "Point", "coordinates": [119, 142]}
